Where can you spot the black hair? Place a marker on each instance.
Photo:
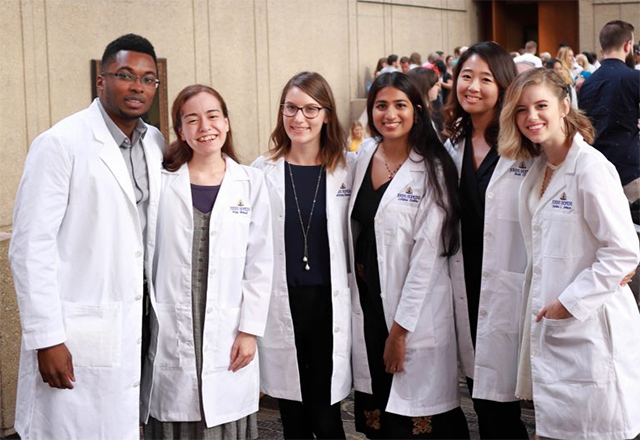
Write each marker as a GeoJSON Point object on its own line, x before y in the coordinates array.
{"type": "Point", "coordinates": [392, 59]}
{"type": "Point", "coordinates": [131, 42]}
{"type": "Point", "coordinates": [442, 174]}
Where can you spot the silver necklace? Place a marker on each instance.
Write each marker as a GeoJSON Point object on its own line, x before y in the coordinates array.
{"type": "Point", "coordinates": [384, 160]}
{"type": "Point", "coordinates": [305, 231]}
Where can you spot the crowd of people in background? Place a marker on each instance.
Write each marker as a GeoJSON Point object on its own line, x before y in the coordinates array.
{"type": "Point", "coordinates": [475, 226]}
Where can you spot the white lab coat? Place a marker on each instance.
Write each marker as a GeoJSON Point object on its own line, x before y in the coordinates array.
{"type": "Point", "coordinates": [416, 291]}
{"type": "Point", "coordinates": [279, 376]}
{"type": "Point", "coordinates": [77, 256]}
{"type": "Point", "coordinates": [580, 244]}
{"type": "Point", "coordinates": [493, 365]}
{"type": "Point", "coordinates": [238, 291]}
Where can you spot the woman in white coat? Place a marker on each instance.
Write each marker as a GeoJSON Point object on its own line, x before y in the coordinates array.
{"type": "Point", "coordinates": [488, 272]}
{"type": "Point", "coordinates": [305, 352]}
{"type": "Point", "coordinates": [403, 229]}
{"type": "Point", "coordinates": [212, 276]}
{"type": "Point", "coordinates": [580, 348]}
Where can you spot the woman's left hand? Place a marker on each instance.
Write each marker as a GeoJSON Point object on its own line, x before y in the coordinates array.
{"type": "Point", "coordinates": [554, 310]}
{"type": "Point", "coordinates": [243, 351]}
{"type": "Point", "coordinates": [395, 349]}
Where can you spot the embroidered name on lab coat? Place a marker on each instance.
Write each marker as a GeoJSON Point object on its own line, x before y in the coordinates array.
{"type": "Point", "coordinates": [562, 203]}
{"type": "Point", "coordinates": [408, 196]}
{"type": "Point", "coordinates": [343, 191]}
{"type": "Point", "coordinates": [240, 209]}
{"type": "Point", "coordinates": [519, 171]}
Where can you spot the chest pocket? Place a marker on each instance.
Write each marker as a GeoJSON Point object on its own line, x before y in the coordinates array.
{"type": "Point", "coordinates": [399, 224]}
{"type": "Point", "coordinates": [234, 231]}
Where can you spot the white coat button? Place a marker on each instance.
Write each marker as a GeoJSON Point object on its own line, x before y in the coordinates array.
{"type": "Point", "coordinates": [136, 384]}
{"type": "Point", "coordinates": [535, 353]}
{"type": "Point", "coordinates": [536, 270]}
{"type": "Point", "coordinates": [487, 235]}
{"type": "Point", "coordinates": [138, 297]}
{"type": "Point", "coordinates": [214, 232]}
{"type": "Point", "coordinates": [535, 312]}
{"type": "Point", "coordinates": [485, 274]}
{"type": "Point", "coordinates": [536, 228]}
{"type": "Point", "coordinates": [213, 271]}
{"type": "Point", "coordinates": [336, 330]}
{"type": "Point", "coordinates": [209, 310]}
{"type": "Point", "coordinates": [336, 293]}
{"type": "Point", "coordinates": [138, 254]}
{"type": "Point", "coordinates": [483, 312]}
{"type": "Point", "coordinates": [139, 341]}
{"type": "Point", "coordinates": [490, 195]}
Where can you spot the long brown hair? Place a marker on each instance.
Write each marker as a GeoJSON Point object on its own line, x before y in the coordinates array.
{"type": "Point", "coordinates": [512, 144]}
{"type": "Point", "coordinates": [332, 136]}
{"type": "Point", "coordinates": [179, 152]}
{"type": "Point", "coordinates": [457, 120]}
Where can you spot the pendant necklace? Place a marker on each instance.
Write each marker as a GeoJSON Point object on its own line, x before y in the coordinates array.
{"type": "Point", "coordinates": [305, 231]}
{"type": "Point", "coordinates": [551, 169]}
{"type": "Point", "coordinates": [386, 165]}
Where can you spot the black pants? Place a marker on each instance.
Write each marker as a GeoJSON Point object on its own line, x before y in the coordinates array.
{"type": "Point", "coordinates": [313, 330]}
{"type": "Point", "coordinates": [498, 420]}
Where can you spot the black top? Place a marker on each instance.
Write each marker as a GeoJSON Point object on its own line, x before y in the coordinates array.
{"type": "Point", "coordinates": [366, 251]}
{"type": "Point", "coordinates": [445, 93]}
{"type": "Point", "coordinates": [610, 97]}
{"type": "Point", "coordinates": [473, 187]}
{"type": "Point", "coordinates": [204, 197]}
{"type": "Point", "coordinates": [306, 180]}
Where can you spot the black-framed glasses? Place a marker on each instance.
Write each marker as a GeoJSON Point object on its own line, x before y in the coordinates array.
{"type": "Point", "coordinates": [309, 111]}
{"type": "Point", "coordinates": [127, 77]}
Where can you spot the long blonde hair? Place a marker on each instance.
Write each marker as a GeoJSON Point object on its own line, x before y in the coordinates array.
{"type": "Point", "coordinates": [512, 144]}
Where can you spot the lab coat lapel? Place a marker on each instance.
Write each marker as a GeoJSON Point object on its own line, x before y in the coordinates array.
{"type": "Point", "coordinates": [110, 152]}
{"type": "Point", "coordinates": [402, 180]}
{"type": "Point", "coordinates": [181, 184]}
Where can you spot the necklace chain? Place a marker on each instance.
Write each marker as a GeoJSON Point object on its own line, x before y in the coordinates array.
{"type": "Point", "coordinates": [386, 165]}
{"type": "Point", "coordinates": [551, 169]}
{"type": "Point", "coordinates": [305, 232]}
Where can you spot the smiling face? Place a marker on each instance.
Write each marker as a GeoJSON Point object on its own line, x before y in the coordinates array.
{"type": "Point", "coordinates": [203, 125]}
{"type": "Point", "coordinates": [540, 116]}
{"type": "Point", "coordinates": [302, 131]}
{"type": "Point", "coordinates": [123, 101]}
{"type": "Point", "coordinates": [393, 114]}
{"type": "Point", "coordinates": [476, 89]}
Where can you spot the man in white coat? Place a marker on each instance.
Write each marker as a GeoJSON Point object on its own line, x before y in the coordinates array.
{"type": "Point", "coordinates": [86, 202]}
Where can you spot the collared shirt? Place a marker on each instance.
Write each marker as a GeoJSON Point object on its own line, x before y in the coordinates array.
{"type": "Point", "coordinates": [133, 154]}
{"type": "Point", "coordinates": [610, 97]}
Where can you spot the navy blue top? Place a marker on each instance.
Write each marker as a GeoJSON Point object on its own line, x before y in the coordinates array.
{"type": "Point", "coordinates": [204, 197]}
{"type": "Point", "coordinates": [306, 179]}
{"type": "Point", "coordinates": [610, 97]}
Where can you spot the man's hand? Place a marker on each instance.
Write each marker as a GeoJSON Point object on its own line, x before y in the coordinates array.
{"type": "Point", "coordinates": [243, 351]}
{"type": "Point", "coordinates": [56, 366]}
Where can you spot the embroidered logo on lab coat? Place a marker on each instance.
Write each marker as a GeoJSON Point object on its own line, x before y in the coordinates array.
{"type": "Point", "coordinates": [563, 203]}
{"type": "Point", "coordinates": [408, 196]}
{"type": "Point", "coordinates": [520, 171]}
{"type": "Point", "coordinates": [240, 208]}
{"type": "Point", "coordinates": [343, 191]}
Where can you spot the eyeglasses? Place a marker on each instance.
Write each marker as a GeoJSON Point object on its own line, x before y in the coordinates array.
{"type": "Point", "coordinates": [309, 112]}
{"type": "Point", "coordinates": [126, 77]}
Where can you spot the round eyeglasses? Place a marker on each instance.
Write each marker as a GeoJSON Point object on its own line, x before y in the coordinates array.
{"type": "Point", "coordinates": [309, 111]}
{"type": "Point", "coordinates": [126, 77]}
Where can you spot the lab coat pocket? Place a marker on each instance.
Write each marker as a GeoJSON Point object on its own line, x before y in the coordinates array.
{"type": "Point", "coordinates": [565, 235]}
{"type": "Point", "coordinates": [94, 334]}
{"type": "Point", "coordinates": [168, 350]}
{"type": "Point", "coordinates": [225, 336]}
{"type": "Point", "coordinates": [399, 224]}
{"type": "Point", "coordinates": [235, 233]}
{"type": "Point", "coordinates": [575, 351]}
{"type": "Point", "coordinates": [506, 308]}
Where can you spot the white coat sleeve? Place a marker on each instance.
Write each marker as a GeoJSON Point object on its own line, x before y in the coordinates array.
{"type": "Point", "coordinates": [40, 207]}
{"type": "Point", "coordinates": [258, 269]}
{"type": "Point", "coordinates": [606, 212]}
{"type": "Point", "coordinates": [425, 264]}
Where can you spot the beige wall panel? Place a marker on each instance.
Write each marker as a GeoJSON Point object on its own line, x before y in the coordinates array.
{"type": "Point", "coordinates": [79, 30]}
{"type": "Point", "coordinates": [265, 112]}
{"type": "Point", "coordinates": [603, 14]}
{"type": "Point", "coordinates": [233, 46]}
{"type": "Point", "coordinates": [371, 47]}
{"type": "Point", "coordinates": [631, 13]}
{"type": "Point", "coordinates": [13, 129]}
{"type": "Point", "coordinates": [588, 37]}
{"type": "Point", "coordinates": [416, 30]}
{"type": "Point", "coordinates": [310, 35]}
